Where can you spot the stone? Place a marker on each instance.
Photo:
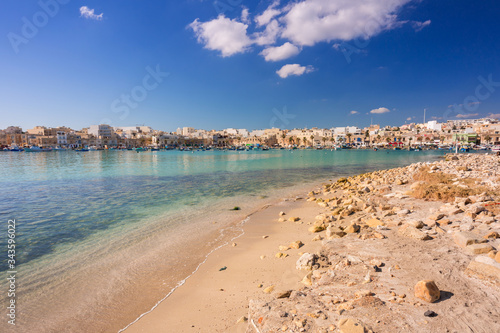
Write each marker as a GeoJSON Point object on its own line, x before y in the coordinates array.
{"type": "Point", "coordinates": [283, 248]}
{"type": "Point", "coordinates": [484, 268]}
{"type": "Point", "coordinates": [296, 245]}
{"type": "Point", "coordinates": [351, 229]}
{"type": "Point", "coordinates": [479, 248]}
{"type": "Point", "coordinates": [475, 208]}
{"type": "Point", "coordinates": [242, 319]}
{"type": "Point", "coordinates": [373, 223]}
{"type": "Point", "coordinates": [403, 212]}
{"type": "Point", "coordinates": [283, 294]}
{"type": "Point", "coordinates": [463, 238]}
{"type": "Point", "coordinates": [350, 325]}
{"type": "Point", "coordinates": [492, 234]}
{"type": "Point", "coordinates": [268, 290]}
{"type": "Point", "coordinates": [307, 280]}
{"type": "Point", "coordinates": [317, 238]}
{"type": "Point", "coordinates": [281, 255]}
{"type": "Point", "coordinates": [412, 232]}
{"type": "Point", "coordinates": [430, 313]}
{"type": "Point", "coordinates": [497, 257]}
{"type": "Point", "coordinates": [436, 217]}
{"type": "Point", "coordinates": [334, 232]}
{"type": "Point", "coordinates": [294, 219]}
{"type": "Point", "coordinates": [317, 228]}
{"type": "Point", "coordinates": [427, 290]}
{"type": "Point", "coordinates": [306, 261]}
{"type": "Point", "coordinates": [281, 219]}
{"type": "Point", "coordinates": [416, 223]}
{"type": "Point", "coordinates": [282, 213]}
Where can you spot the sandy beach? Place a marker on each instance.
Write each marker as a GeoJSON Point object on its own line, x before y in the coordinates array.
{"type": "Point", "coordinates": [368, 241]}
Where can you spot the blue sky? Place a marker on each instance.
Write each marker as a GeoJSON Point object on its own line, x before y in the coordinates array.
{"type": "Point", "coordinates": [247, 64]}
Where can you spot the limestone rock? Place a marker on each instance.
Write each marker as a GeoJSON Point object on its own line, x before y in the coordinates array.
{"type": "Point", "coordinates": [416, 223]}
{"type": "Point", "coordinates": [283, 294]}
{"type": "Point", "coordinates": [317, 228]}
{"type": "Point", "coordinates": [412, 232]}
{"type": "Point", "coordinates": [427, 291]}
{"type": "Point", "coordinates": [373, 223]}
{"type": "Point", "coordinates": [306, 261]}
{"type": "Point", "coordinates": [351, 229]}
{"type": "Point", "coordinates": [492, 234]}
{"type": "Point", "coordinates": [268, 290]}
{"type": "Point", "coordinates": [479, 248]}
{"type": "Point", "coordinates": [294, 219]}
{"type": "Point", "coordinates": [463, 238]}
{"type": "Point", "coordinates": [334, 232]}
{"type": "Point", "coordinates": [296, 245]}
{"type": "Point", "coordinates": [350, 325]}
{"type": "Point", "coordinates": [485, 268]}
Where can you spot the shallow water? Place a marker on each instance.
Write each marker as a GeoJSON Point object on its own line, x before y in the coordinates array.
{"type": "Point", "coordinates": [97, 228]}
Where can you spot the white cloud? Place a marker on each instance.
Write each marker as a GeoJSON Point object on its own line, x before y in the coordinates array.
{"type": "Point", "coordinates": [278, 53]}
{"type": "Point", "coordinates": [293, 69]}
{"type": "Point", "coordinates": [408, 119]}
{"type": "Point", "coordinates": [469, 115]}
{"type": "Point", "coordinates": [269, 35]}
{"type": "Point", "coordinates": [244, 15]}
{"type": "Point", "coordinates": [267, 15]}
{"type": "Point", "coordinates": [380, 110]}
{"type": "Point", "coordinates": [494, 115]}
{"type": "Point", "coordinates": [222, 34]}
{"type": "Point", "coordinates": [420, 25]}
{"type": "Point", "coordinates": [88, 13]}
{"type": "Point", "coordinates": [354, 112]}
{"type": "Point", "coordinates": [312, 21]}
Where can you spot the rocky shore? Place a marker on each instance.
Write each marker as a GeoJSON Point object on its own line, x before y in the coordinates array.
{"type": "Point", "coordinates": [409, 249]}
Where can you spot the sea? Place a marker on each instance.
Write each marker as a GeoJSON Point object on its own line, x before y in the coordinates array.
{"type": "Point", "coordinates": [102, 236]}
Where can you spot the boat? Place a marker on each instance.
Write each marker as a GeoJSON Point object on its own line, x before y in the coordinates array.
{"type": "Point", "coordinates": [36, 149]}
{"type": "Point", "coordinates": [495, 149]}
{"type": "Point", "coordinates": [92, 148]}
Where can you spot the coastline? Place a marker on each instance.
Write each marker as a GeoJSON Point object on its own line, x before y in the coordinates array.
{"type": "Point", "coordinates": [214, 300]}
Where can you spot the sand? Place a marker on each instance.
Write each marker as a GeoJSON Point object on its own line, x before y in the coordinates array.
{"type": "Point", "coordinates": [213, 300]}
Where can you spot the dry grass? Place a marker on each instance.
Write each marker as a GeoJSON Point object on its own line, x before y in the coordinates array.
{"type": "Point", "coordinates": [439, 186]}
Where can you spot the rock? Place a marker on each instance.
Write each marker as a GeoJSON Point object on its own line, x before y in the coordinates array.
{"type": "Point", "coordinates": [415, 223]}
{"type": "Point", "coordinates": [294, 219]}
{"type": "Point", "coordinates": [479, 248]}
{"type": "Point", "coordinates": [351, 229]}
{"type": "Point", "coordinates": [334, 232]}
{"type": "Point", "coordinates": [373, 223]}
{"type": "Point", "coordinates": [281, 219]}
{"type": "Point", "coordinates": [363, 293]}
{"type": "Point", "coordinates": [281, 255]}
{"type": "Point", "coordinates": [350, 325]}
{"type": "Point", "coordinates": [436, 217]}
{"type": "Point", "coordinates": [306, 261]}
{"type": "Point", "coordinates": [427, 291]}
{"type": "Point", "coordinates": [317, 228]}
{"type": "Point", "coordinates": [484, 268]}
{"type": "Point", "coordinates": [307, 280]}
{"type": "Point", "coordinates": [475, 208]}
{"type": "Point", "coordinates": [296, 245]}
{"type": "Point", "coordinates": [403, 212]}
{"type": "Point", "coordinates": [492, 234]}
{"type": "Point", "coordinates": [268, 290]}
{"type": "Point", "coordinates": [283, 248]}
{"type": "Point", "coordinates": [283, 294]}
{"type": "Point", "coordinates": [317, 238]}
{"type": "Point", "coordinates": [282, 213]}
{"type": "Point", "coordinates": [412, 232]}
{"type": "Point", "coordinates": [463, 238]}
{"type": "Point", "coordinates": [497, 257]}
{"type": "Point", "coordinates": [430, 313]}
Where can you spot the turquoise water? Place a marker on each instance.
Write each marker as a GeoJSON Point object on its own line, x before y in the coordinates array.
{"type": "Point", "coordinates": [79, 213]}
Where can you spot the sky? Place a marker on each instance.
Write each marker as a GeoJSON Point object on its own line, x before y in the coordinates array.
{"type": "Point", "coordinates": [247, 64]}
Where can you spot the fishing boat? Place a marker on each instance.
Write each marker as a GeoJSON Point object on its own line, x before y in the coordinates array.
{"type": "Point", "coordinates": [36, 149]}
{"type": "Point", "coordinates": [495, 149]}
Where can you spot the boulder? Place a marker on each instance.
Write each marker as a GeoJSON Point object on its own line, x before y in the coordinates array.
{"type": "Point", "coordinates": [427, 290]}
{"type": "Point", "coordinates": [479, 248]}
{"type": "Point", "coordinates": [351, 229]}
{"type": "Point", "coordinates": [464, 238]}
{"type": "Point", "coordinates": [485, 268]}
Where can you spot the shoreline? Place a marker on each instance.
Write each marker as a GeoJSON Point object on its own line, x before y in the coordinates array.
{"type": "Point", "coordinates": [218, 301]}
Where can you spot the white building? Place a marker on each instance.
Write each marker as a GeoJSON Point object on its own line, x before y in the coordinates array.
{"type": "Point", "coordinates": [62, 138]}
{"type": "Point", "coordinates": [101, 130]}
{"type": "Point", "coordinates": [434, 125]}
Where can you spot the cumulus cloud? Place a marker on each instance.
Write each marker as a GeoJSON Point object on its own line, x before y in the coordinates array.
{"type": "Point", "coordinates": [420, 25]}
{"type": "Point", "coordinates": [312, 21]}
{"type": "Point", "coordinates": [354, 112]}
{"type": "Point", "coordinates": [88, 13]}
{"type": "Point", "coordinates": [380, 110]}
{"type": "Point", "coordinates": [269, 35]}
{"type": "Point", "coordinates": [244, 15]}
{"type": "Point", "coordinates": [278, 53]}
{"type": "Point", "coordinates": [469, 115]}
{"type": "Point", "coordinates": [222, 34]}
{"type": "Point", "coordinates": [293, 69]}
{"type": "Point", "coordinates": [268, 15]}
